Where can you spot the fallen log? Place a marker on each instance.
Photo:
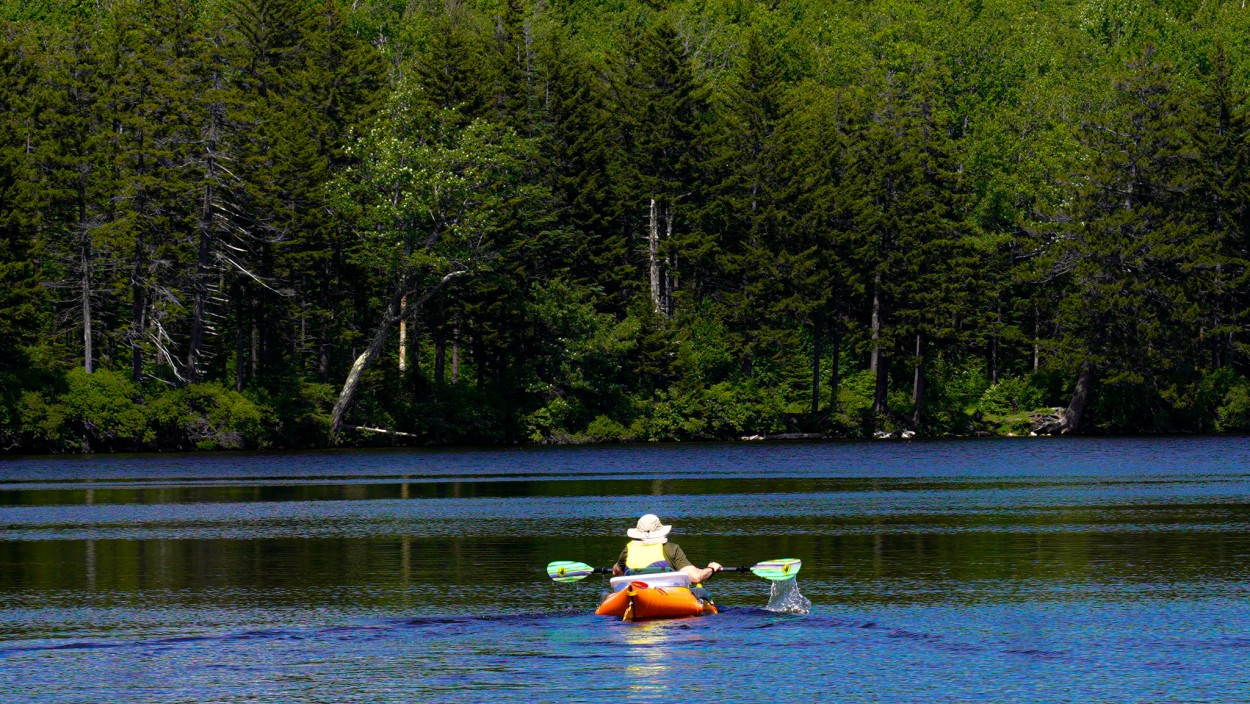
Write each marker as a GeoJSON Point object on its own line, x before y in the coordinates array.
{"type": "Point", "coordinates": [367, 429]}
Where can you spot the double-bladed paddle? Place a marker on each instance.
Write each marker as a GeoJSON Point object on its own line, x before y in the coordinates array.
{"type": "Point", "coordinates": [776, 570]}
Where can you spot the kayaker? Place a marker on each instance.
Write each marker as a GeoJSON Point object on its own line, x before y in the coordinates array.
{"type": "Point", "coordinates": [650, 552]}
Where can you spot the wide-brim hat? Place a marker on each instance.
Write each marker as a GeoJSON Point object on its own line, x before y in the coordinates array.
{"type": "Point", "coordinates": [648, 527]}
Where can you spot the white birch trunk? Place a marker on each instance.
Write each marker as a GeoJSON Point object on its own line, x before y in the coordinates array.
{"type": "Point", "coordinates": [348, 395]}
{"type": "Point", "coordinates": [653, 257]}
{"type": "Point", "coordinates": [403, 334]}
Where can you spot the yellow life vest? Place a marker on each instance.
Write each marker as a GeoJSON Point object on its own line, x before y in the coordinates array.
{"type": "Point", "coordinates": [645, 559]}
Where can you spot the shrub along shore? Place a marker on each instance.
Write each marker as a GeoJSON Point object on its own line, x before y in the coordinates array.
{"type": "Point", "coordinates": [106, 412]}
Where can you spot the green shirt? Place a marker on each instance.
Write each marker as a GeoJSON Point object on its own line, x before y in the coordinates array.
{"type": "Point", "coordinates": [672, 552]}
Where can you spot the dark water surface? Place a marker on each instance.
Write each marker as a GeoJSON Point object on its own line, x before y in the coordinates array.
{"type": "Point", "coordinates": [1075, 570]}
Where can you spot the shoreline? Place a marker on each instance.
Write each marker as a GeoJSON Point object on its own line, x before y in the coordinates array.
{"type": "Point", "coordinates": [756, 440]}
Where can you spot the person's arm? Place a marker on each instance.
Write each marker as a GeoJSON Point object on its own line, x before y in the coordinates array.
{"type": "Point", "coordinates": [677, 558]}
{"type": "Point", "coordinates": [618, 569]}
{"type": "Point", "coordinates": [701, 575]}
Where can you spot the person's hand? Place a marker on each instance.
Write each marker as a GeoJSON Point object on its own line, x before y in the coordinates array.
{"type": "Point", "coordinates": [714, 566]}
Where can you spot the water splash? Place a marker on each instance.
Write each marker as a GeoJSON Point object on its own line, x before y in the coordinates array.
{"type": "Point", "coordinates": [786, 599]}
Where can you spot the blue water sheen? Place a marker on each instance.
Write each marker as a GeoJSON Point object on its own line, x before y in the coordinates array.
{"type": "Point", "coordinates": [1074, 570]}
{"type": "Point", "coordinates": [984, 652]}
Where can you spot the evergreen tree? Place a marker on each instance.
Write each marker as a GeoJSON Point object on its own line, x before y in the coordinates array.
{"type": "Point", "coordinates": [78, 176]}
{"type": "Point", "coordinates": [21, 297]}
{"type": "Point", "coordinates": [511, 60]}
{"type": "Point", "coordinates": [905, 202]}
{"type": "Point", "coordinates": [814, 217]}
{"type": "Point", "coordinates": [1127, 252]}
{"type": "Point", "coordinates": [1221, 194]}
{"type": "Point", "coordinates": [148, 54]}
{"type": "Point", "coordinates": [576, 151]}
{"type": "Point", "coordinates": [339, 81]}
{"type": "Point", "coordinates": [453, 72]}
{"type": "Point", "coordinates": [661, 106]}
{"type": "Point", "coordinates": [754, 271]}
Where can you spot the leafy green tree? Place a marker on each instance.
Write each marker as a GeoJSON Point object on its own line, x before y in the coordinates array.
{"type": "Point", "coordinates": [428, 201]}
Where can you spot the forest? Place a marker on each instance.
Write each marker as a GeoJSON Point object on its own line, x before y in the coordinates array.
{"type": "Point", "coordinates": [304, 223]}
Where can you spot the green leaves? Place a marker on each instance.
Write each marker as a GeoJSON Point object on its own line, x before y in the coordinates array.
{"type": "Point", "coordinates": [424, 193]}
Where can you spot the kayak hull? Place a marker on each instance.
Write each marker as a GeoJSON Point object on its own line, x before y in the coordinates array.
{"type": "Point", "coordinates": [640, 601]}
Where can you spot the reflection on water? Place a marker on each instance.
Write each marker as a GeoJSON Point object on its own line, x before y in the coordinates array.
{"type": "Point", "coordinates": [1076, 570]}
{"type": "Point", "coordinates": [649, 659]}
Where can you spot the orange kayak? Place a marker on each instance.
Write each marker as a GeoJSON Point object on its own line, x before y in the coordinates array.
{"type": "Point", "coordinates": [640, 601]}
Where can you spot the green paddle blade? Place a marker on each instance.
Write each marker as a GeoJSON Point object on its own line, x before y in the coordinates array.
{"type": "Point", "coordinates": [567, 571]}
{"type": "Point", "coordinates": [777, 570]}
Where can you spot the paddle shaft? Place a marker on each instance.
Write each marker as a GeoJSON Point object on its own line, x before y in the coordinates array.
{"type": "Point", "coordinates": [744, 568]}
{"type": "Point", "coordinates": [775, 570]}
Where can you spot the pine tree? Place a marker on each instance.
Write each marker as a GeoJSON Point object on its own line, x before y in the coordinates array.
{"type": "Point", "coordinates": [453, 72]}
{"type": "Point", "coordinates": [1127, 252]}
{"type": "Point", "coordinates": [79, 177]}
{"type": "Point", "coordinates": [148, 52]}
{"type": "Point", "coordinates": [511, 60]}
{"type": "Point", "coordinates": [813, 216]}
{"type": "Point", "coordinates": [1221, 195]}
{"type": "Point", "coordinates": [340, 80]}
{"type": "Point", "coordinates": [905, 202]}
{"type": "Point", "coordinates": [21, 296]}
{"type": "Point", "coordinates": [754, 269]}
{"type": "Point", "coordinates": [575, 137]}
{"type": "Point", "coordinates": [661, 106]}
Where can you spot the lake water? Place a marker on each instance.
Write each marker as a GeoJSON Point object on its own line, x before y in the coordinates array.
{"type": "Point", "coordinates": [1057, 570]}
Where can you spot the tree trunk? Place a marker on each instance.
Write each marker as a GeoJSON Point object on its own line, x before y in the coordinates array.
{"type": "Point", "coordinates": [138, 305]}
{"type": "Point", "coordinates": [653, 257]}
{"type": "Point", "coordinates": [364, 361]}
{"type": "Point", "coordinates": [670, 282]}
{"type": "Point", "coordinates": [835, 363]}
{"type": "Point", "coordinates": [348, 395]}
{"type": "Point", "coordinates": [323, 329]}
{"type": "Point", "coordinates": [403, 334]}
{"type": "Point", "coordinates": [440, 358]}
{"type": "Point", "coordinates": [200, 283]}
{"type": "Point", "coordinates": [994, 344]}
{"type": "Point", "coordinates": [479, 362]}
{"type": "Point", "coordinates": [455, 352]}
{"type": "Point", "coordinates": [240, 342]}
{"type": "Point", "coordinates": [917, 384]}
{"type": "Point", "coordinates": [84, 265]}
{"type": "Point", "coordinates": [414, 343]}
{"type": "Point", "coordinates": [1080, 396]}
{"type": "Point", "coordinates": [1037, 351]}
{"type": "Point", "coordinates": [877, 363]}
{"type": "Point", "coordinates": [816, 368]}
